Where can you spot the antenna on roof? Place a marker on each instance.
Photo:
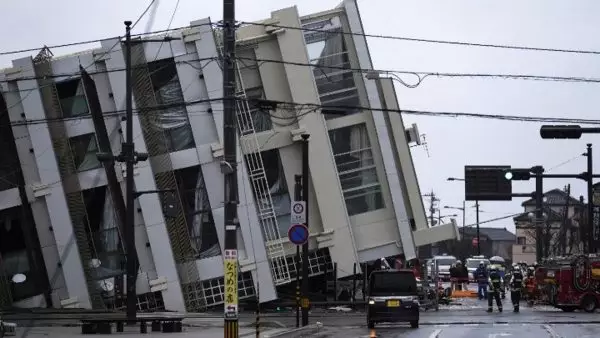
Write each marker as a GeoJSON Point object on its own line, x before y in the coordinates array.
{"type": "Point", "coordinates": [43, 55]}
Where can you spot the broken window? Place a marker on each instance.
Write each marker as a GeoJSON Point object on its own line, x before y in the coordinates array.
{"type": "Point", "coordinates": [84, 149]}
{"type": "Point", "coordinates": [261, 118]}
{"type": "Point", "coordinates": [14, 259]}
{"type": "Point", "coordinates": [356, 169]}
{"type": "Point", "coordinates": [328, 53]}
{"type": "Point", "coordinates": [104, 238]}
{"type": "Point", "coordinates": [72, 98]}
{"type": "Point", "coordinates": [198, 213]}
{"type": "Point", "coordinates": [277, 188]}
{"type": "Point", "coordinates": [173, 119]}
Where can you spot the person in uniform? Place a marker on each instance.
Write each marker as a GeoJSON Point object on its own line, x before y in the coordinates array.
{"type": "Point", "coordinates": [481, 275]}
{"type": "Point", "coordinates": [495, 283]}
{"type": "Point", "coordinates": [516, 287]}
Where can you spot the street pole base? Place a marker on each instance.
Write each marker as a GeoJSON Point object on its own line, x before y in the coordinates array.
{"type": "Point", "coordinates": [231, 328]}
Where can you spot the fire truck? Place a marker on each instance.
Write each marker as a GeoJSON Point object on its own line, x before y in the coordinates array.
{"type": "Point", "coordinates": [570, 283]}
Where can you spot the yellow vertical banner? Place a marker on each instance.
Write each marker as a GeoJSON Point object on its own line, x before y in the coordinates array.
{"type": "Point", "coordinates": [231, 284]}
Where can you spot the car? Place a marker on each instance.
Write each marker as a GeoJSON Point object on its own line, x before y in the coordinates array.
{"type": "Point", "coordinates": [392, 297]}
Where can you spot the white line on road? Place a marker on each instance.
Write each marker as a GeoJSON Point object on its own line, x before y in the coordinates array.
{"type": "Point", "coordinates": [551, 331]}
{"type": "Point", "coordinates": [435, 334]}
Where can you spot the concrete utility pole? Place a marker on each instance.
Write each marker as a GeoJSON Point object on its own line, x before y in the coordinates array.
{"type": "Point", "coordinates": [477, 223]}
{"type": "Point", "coordinates": [229, 166]}
{"type": "Point", "coordinates": [593, 232]}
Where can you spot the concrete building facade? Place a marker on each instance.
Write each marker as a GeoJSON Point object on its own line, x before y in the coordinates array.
{"type": "Point", "coordinates": [297, 75]}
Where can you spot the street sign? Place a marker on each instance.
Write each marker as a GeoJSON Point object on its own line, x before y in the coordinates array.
{"type": "Point", "coordinates": [487, 183]}
{"type": "Point", "coordinates": [298, 234]}
{"type": "Point", "coordinates": [298, 212]}
{"type": "Point", "coordinates": [475, 241]}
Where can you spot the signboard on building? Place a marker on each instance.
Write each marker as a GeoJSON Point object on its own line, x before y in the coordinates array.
{"type": "Point", "coordinates": [298, 212]}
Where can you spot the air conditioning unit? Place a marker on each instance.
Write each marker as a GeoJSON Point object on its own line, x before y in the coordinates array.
{"type": "Point", "coordinates": [413, 135]}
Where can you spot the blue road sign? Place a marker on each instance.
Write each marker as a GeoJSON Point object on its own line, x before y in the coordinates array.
{"type": "Point", "coordinates": [298, 234]}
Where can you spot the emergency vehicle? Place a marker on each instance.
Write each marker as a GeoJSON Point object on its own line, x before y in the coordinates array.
{"type": "Point", "coordinates": [570, 283]}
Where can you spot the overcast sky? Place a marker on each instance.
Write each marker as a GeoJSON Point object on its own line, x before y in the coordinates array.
{"type": "Point", "coordinates": [452, 142]}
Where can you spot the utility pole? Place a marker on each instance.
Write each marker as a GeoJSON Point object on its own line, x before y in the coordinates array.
{"type": "Point", "coordinates": [590, 206]}
{"type": "Point", "coordinates": [565, 225]}
{"type": "Point", "coordinates": [477, 224]}
{"type": "Point", "coordinates": [305, 282]}
{"type": "Point", "coordinates": [231, 329]}
{"type": "Point", "coordinates": [129, 156]}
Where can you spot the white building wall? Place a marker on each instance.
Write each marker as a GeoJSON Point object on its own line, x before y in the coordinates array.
{"type": "Point", "coordinates": [323, 173]}
{"type": "Point", "coordinates": [151, 209]}
{"type": "Point", "coordinates": [383, 137]}
{"type": "Point", "coordinates": [49, 187]}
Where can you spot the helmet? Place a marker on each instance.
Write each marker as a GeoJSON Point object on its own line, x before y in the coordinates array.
{"type": "Point", "coordinates": [481, 263]}
{"type": "Point", "coordinates": [458, 262]}
{"type": "Point", "coordinates": [493, 268]}
{"type": "Point", "coordinates": [515, 265]}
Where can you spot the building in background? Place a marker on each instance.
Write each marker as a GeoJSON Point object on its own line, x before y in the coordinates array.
{"type": "Point", "coordinates": [561, 231]}
{"type": "Point", "coordinates": [365, 201]}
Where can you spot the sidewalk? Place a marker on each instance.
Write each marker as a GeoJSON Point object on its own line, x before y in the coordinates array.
{"type": "Point", "coordinates": [131, 332]}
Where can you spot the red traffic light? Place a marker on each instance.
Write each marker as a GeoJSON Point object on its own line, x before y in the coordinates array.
{"type": "Point", "coordinates": [561, 132]}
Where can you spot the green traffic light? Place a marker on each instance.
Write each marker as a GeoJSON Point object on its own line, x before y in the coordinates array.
{"type": "Point", "coordinates": [508, 175]}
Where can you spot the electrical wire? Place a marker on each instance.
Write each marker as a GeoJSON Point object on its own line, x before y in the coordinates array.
{"type": "Point", "coordinates": [433, 41]}
{"type": "Point", "coordinates": [422, 75]}
{"type": "Point", "coordinates": [168, 27]}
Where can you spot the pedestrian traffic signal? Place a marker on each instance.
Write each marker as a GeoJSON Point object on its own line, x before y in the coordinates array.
{"type": "Point", "coordinates": [517, 174]}
{"type": "Point", "coordinates": [561, 132]}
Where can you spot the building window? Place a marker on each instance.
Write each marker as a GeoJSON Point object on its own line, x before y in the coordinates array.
{"type": "Point", "coordinates": [72, 98]}
{"type": "Point", "coordinates": [521, 240]}
{"type": "Point", "coordinates": [13, 256]}
{"type": "Point", "coordinates": [198, 213]}
{"type": "Point", "coordinates": [261, 118]}
{"type": "Point", "coordinates": [172, 121]}
{"type": "Point", "coordinates": [104, 238]}
{"type": "Point", "coordinates": [328, 52]}
{"type": "Point", "coordinates": [84, 149]}
{"type": "Point", "coordinates": [277, 188]}
{"type": "Point", "coordinates": [10, 164]}
{"type": "Point", "coordinates": [356, 169]}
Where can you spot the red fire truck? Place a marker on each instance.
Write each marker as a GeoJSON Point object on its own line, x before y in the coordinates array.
{"type": "Point", "coordinates": [571, 283]}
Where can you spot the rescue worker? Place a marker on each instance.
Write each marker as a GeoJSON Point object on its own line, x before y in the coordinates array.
{"type": "Point", "coordinates": [516, 286]}
{"type": "Point", "coordinates": [495, 282]}
{"type": "Point", "coordinates": [463, 275]}
{"type": "Point", "coordinates": [481, 275]}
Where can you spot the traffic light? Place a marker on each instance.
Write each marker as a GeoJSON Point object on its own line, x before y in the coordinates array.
{"type": "Point", "coordinates": [561, 132]}
{"type": "Point", "coordinates": [517, 174]}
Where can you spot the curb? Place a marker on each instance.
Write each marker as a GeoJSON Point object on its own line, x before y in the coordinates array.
{"type": "Point", "coordinates": [510, 322]}
{"type": "Point", "coordinates": [297, 333]}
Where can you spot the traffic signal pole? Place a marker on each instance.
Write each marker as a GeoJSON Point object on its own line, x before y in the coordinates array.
{"type": "Point", "coordinates": [592, 231]}
{"type": "Point", "coordinates": [305, 282]}
{"type": "Point", "coordinates": [539, 212]}
{"type": "Point", "coordinates": [477, 221]}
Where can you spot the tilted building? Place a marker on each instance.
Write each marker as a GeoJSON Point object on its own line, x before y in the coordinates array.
{"type": "Point", "coordinates": [297, 75]}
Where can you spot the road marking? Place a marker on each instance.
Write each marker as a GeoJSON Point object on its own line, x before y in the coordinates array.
{"type": "Point", "coordinates": [471, 325]}
{"type": "Point", "coordinates": [435, 334]}
{"type": "Point", "coordinates": [500, 324]}
{"type": "Point", "coordinates": [443, 325]}
{"type": "Point", "coordinates": [551, 331]}
{"type": "Point", "coordinates": [501, 334]}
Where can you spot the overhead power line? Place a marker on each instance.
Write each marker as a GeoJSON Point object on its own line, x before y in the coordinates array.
{"type": "Point", "coordinates": [367, 35]}
{"type": "Point", "coordinates": [434, 41]}
{"type": "Point", "coordinates": [420, 75]}
{"type": "Point", "coordinates": [306, 108]}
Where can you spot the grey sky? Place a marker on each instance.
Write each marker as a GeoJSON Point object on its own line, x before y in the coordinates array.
{"type": "Point", "coordinates": [452, 142]}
